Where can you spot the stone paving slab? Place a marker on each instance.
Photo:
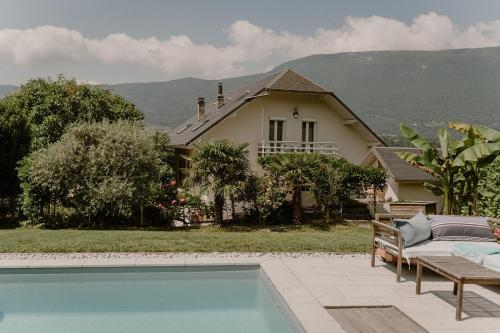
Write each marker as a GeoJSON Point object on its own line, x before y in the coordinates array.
{"type": "Point", "coordinates": [311, 281]}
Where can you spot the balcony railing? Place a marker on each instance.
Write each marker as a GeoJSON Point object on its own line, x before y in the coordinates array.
{"type": "Point", "coordinates": [279, 147]}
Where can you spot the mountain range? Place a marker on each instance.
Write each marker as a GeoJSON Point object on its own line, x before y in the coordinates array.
{"type": "Point", "coordinates": [424, 89]}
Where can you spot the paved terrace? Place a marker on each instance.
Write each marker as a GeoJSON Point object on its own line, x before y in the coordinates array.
{"type": "Point", "coordinates": [309, 282]}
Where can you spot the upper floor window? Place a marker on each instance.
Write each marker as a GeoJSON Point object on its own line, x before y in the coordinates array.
{"type": "Point", "coordinates": [276, 129]}
{"type": "Point", "coordinates": [308, 134]}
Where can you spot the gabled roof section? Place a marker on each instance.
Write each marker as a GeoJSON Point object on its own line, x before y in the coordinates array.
{"type": "Point", "coordinates": [397, 168]}
{"type": "Point", "coordinates": [288, 80]}
{"type": "Point", "coordinates": [284, 81]}
{"type": "Point", "coordinates": [233, 100]}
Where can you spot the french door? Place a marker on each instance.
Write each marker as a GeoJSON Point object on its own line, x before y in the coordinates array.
{"type": "Point", "coordinates": [276, 134]}
{"type": "Point", "coordinates": [308, 135]}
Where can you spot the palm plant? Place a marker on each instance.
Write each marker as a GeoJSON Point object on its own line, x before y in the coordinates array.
{"type": "Point", "coordinates": [456, 164]}
{"type": "Point", "coordinates": [218, 168]}
{"type": "Point", "coordinates": [296, 171]}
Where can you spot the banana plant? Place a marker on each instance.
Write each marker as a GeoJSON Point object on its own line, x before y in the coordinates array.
{"type": "Point", "coordinates": [437, 162]}
{"type": "Point", "coordinates": [482, 147]}
{"type": "Point", "coordinates": [456, 164]}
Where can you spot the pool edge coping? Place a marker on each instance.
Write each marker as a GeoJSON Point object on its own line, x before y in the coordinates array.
{"type": "Point", "coordinates": [310, 314]}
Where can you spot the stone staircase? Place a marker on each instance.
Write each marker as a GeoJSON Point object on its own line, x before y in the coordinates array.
{"type": "Point", "coordinates": [356, 210]}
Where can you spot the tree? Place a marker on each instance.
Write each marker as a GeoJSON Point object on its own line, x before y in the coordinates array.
{"type": "Point", "coordinates": [456, 164]}
{"type": "Point", "coordinates": [102, 171]}
{"type": "Point", "coordinates": [263, 197]}
{"type": "Point", "coordinates": [52, 105]}
{"type": "Point", "coordinates": [217, 167]}
{"type": "Point", "coordinates": [336, 180]}
{"type": "Point", "coordinates": [296, 170]}
{"type": "Point", "coordinates": [165, 156]}
{"type": "Point", "coordinates": [14, 145]}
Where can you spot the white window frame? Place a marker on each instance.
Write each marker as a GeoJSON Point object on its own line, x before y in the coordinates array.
{"type": "Point", "coordinates": [315, 134]}
{"type": "Point", "coordinates": [276, 119]}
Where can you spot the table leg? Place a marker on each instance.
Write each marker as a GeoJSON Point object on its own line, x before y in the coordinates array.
{"type": "Point", "coordinates": [460, 295]}
{"type": "Point", "coordinates": [455, 287]}
{"type": "Point", "coordinates": [419, 276]}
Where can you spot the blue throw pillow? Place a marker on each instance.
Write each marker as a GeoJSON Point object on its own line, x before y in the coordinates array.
{"type": "Point", "coordinates": [414, 230]}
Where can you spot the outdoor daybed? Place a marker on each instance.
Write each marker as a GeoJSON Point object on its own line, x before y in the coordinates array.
{"type": "Point", "coordinates": [467, 236]}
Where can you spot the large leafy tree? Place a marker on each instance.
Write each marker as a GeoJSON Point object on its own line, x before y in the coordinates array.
{"type": "Point", "coordinates": [52, 105]}
{"type": "Point", "coordinates": [102, 171]}
{"type": "Point", "coordinates": [296, 170]}
{"type": "Point", "coordinates": [14, 145]}
{"type": "Point", "coordinates": [217, 168]}
{"type": "Point", "coordinates": [336, 180]}
{"type": "Point", "coordinates": [456, 164]}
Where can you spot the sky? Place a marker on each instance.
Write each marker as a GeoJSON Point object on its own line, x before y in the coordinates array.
{"type": "Point", "coordinates": [115, 41]}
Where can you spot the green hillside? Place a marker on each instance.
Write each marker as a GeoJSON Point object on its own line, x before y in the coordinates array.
{"type": "Point", "coordinates": [5, 89]}
{"type": "Point", "coordinates": [422, 88]}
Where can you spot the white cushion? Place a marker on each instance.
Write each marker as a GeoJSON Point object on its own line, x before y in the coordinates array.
{"type": "Point", "coordinates": [492, 262]}
{"type": "Point", "coordinates": [437, 248]}
{"type": "Point", "coordinates": [429, 248]}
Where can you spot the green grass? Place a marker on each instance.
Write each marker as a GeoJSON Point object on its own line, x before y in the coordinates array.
{"type": "Point", "coordinates": [339, 238]}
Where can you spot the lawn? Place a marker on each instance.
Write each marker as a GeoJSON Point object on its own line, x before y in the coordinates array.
{"type": "Point", "coordinates": [339, 238]}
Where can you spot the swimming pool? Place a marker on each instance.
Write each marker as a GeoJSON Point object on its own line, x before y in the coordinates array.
{"type": "Point", "coordinates": [181, 299]}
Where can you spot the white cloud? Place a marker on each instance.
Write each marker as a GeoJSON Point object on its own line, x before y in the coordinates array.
{"type": "Point", "coordinates": [249, 44]}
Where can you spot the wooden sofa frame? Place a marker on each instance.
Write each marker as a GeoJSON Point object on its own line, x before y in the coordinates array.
{"type": "Point", "coordinates": [388, 243]}
{"type": "Point", "coordinates": [390, 249]}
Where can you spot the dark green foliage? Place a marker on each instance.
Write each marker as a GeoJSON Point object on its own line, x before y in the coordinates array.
{"type": "Point", "coordinates": [219, 168]}
{"type": "Point", "coordinates": [38, 113]}
{"type": "Point", "coordinates": [296, 172]}
{"type": "Point", "coordinates": [165, 155]}
{"type": "Point", "coordinates": [457, 164]}
{"type": "Point", "coordinates": [330, 180]}
{"type": "Point", "coordinates": [337, 181]}
{"type": "Point", "coordinates": [264, 201]}
{"type": "Point", "coordinates": [489, 205]}
{"type": "Point", "coordinates": [14, 145]}
{"type": "Point", "coordinates": [99, 172]}
{"type": "Point", "coordinates": [52, 105]}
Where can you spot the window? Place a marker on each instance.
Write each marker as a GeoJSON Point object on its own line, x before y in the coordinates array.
{"type": "Point", "coordinates": [275, 133]}
{"type": "Point", "coordinates": [308, 135]}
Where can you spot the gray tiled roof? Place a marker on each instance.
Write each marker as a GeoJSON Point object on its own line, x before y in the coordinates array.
{"type": "Point", "coordinates": [399, 169]}
{"type": "Point", "coordinates": [286, 80]}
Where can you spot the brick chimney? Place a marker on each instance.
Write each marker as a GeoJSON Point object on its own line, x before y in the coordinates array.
{"type": "Point", "coordinates": [220, 96]}
{"type": "Point", "coordinates": [201, 107]}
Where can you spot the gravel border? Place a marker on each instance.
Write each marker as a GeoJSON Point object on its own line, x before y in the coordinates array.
{"type": "Point", "coordinates": [134, 255]}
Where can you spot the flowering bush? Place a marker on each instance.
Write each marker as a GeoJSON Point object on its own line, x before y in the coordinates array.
{"type": "Point", "coordinates": [178, 204]}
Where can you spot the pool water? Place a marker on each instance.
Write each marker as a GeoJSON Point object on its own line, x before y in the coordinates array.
{"type": "Point", "coordinates": [217, 299]}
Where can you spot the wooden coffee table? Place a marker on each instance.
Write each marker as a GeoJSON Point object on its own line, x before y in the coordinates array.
{"type": "Point", "coordinates": [459, 270]}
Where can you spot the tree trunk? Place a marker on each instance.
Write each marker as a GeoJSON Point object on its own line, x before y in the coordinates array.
{"type": "Point", "coordinates": [142, 216]}
{"type": "Point", "coordinates": [233, 210]}
{"type": "Point", "coordinates": [219, 208]}
{"type": "Point", "coordinates": [327, 217]}
{"type": "Point", "coordinates": [296, 209]}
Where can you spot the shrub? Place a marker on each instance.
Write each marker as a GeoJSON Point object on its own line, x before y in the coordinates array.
{"type": "Point", "coordinates": [103, 171]}
{"type": "Point", "coordinates": [489, 204]}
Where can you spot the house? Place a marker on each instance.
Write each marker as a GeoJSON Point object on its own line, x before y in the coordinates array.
{"type": "Point", "coordinates": [406, 182]}
{"type": "Point", "coordinates": [283, 112]}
